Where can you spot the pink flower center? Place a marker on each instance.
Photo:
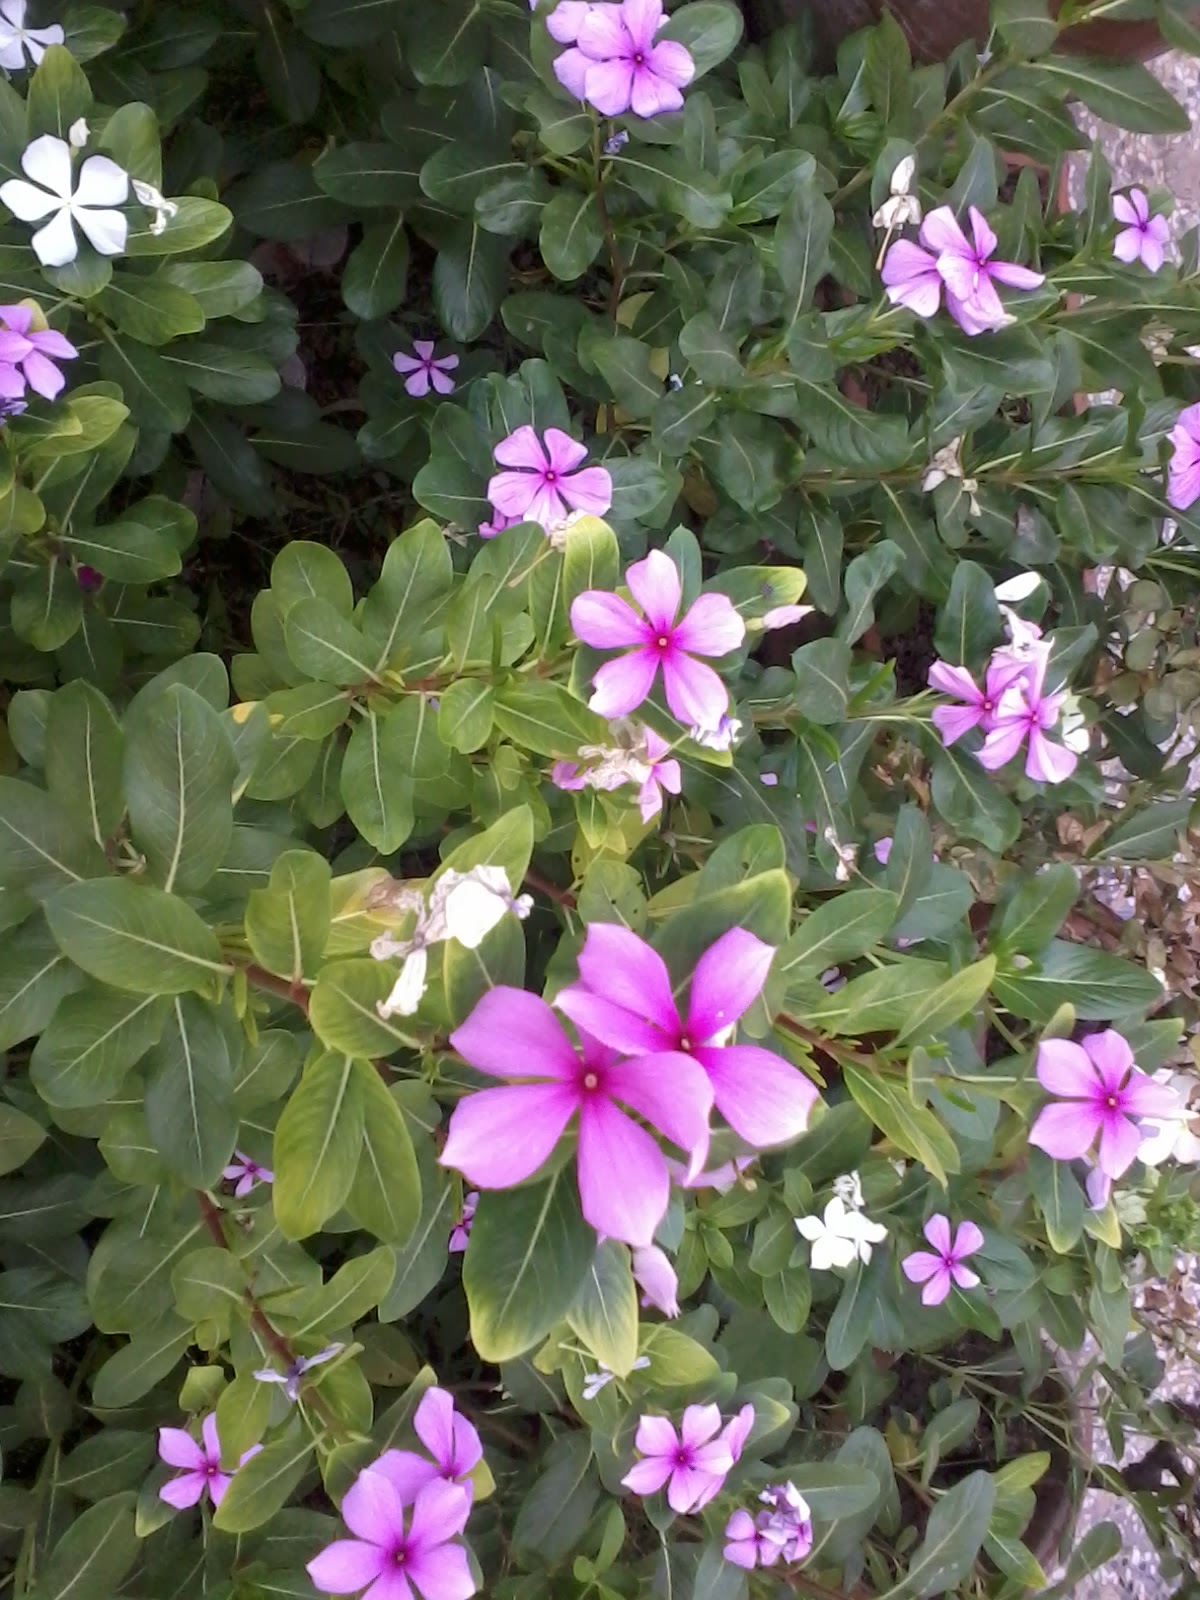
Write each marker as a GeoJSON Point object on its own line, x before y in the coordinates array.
{"type": "Point", "coordinates": [591, 1080]}
{"type": "Point", "coordinates": [400, 1555]}
{"type": "Point", "coordinates": [550, 475]}
{"type": "Point", "coordinates": [211, 1468]}
{"type": "Point", "coordinates": [663, 641]}
{"type": "Point", "coordinates": [639, 59]}
{"type": "Point", "coordinates": [682, 1456]}
{"type": "Point", "coordinates": [1112, 1102]}
{"type": "Point", "coordinates": [685, 1044]}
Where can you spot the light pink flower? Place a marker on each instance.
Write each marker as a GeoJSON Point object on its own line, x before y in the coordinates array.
{"type": "Point", "coordinates": [693, 1464]}
{"type": "Point", "coordinates": [500, 1137]}
{"type": "Point", "coordinates": [1143, 236]}
{"type": "Point", "coordinates": [1026, 711]}
{"type": "Point", "coordinates": [979, 705]}
{"type": "Point", "coordinates": [244, 1174]}
{"type": "Point", "coordinates": [451, 1440]}
{"type": "Point", "coordinates": [1183, 469]}
{"type": "Point", "coordinates": [939, 1268]}
{"type": "Point", "coordinates": [911, 278]}
{"type": "Point", "coordinates": [461, 1232]}
{"type": "Point", "coordinates": [710, 627]}
{"type": "Point", "coordinates": [968, 271]}
{"type": "Point", "coordinates": [664, 774]}
{"type": "Point", "coordinates": [753, 1541]}
{"type": "Point", "coordinates": [34, 350]}
{"type": "Point", "coordinates": [655, 1277]}
{"type": "Point", "coordinates": [498, 523]}
{"type": "Point", "coordinates": [790, 1519]}
{"type": "Point", "coordinates": [390, 1557]}
{"type": "Point", "coordinates": [1100, 1091]}
{"type": "Point", "coordinates": [201, 1465]}
{"type": "Point", "coordinates": [543, 482]}
{"type": "Point", "coordinates": [883, 847]}
{"type": "Point", "coordinates": [615, 64]}
{"type": "Point", "coordinates": [425, 369]}
{"type": "Point", "coordinates": [625, 999]}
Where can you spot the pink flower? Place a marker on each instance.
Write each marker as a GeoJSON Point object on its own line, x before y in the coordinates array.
{"type": "Point", "coordinates": [451, 1440]}
{"type": "Point", "coordinates": [737, 1430]}
{"type": "Point", "coordinates": [656, 1279]}
{"type": "Point", "coordinates": [500, 1137]}
{"type": "Point", "coordinates": [711, 627]}
{"type": "Point", "coordinates": [1183, 469]}
{"type": "Point", "coordinates": [244, 1174]}
{"type": "Point", "coordinates": [979, 705]}
{"type": "Point", "coordinates": [911, 278]}
{"type": "Point", "coordinates": [34, 350]}
{"type": "Point", "coordinates": [625, 999]}
{"type": "Point", "coordinates": [615, 64]}
{"type": "Point", "coordinates": [883, 847]}
{"type": "Point", "coordinates": [1025, 711]}
{"type": "Point", "coordinates": [790, 1519]}
{"type": "Point", "coordinates": [489, 530]}
{"type": "Point", "coordinates": [201, 1464]}
{"type": "Point", "coordinates": [969, 273]}
{"type": "Point", "coordinates": [663, 775]}
{"type": "Point", "coordinates": [938, 1268]}
{"type": "Point", "coordinates": [390, 1557]}
{"type": "Point", "coordinates": [544, 482]}
{"type": "Point", "coordinates": [692, 1463]}
{"type": "Point", "coordinates": [753, 1541]}
{"type": "Point", "coordinates": [425, 369]}
{"type": "Point", "coordinates": [1100, 1091]}
{"type": "Point", "coordinates": [461, 1232]}
{"type": "Point", "coordinates": [1143, 236]}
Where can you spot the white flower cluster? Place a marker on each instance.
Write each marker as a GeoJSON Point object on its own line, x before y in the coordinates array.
{"type": "Point", "coordinates": [845, 1234]}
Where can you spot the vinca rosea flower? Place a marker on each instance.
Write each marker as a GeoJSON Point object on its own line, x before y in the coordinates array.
{"type": "Point", "coordinates": [978, 708]}
{"type": "Point", "coordinates": [1023, 712]}
{"type": "Point", "coordinates": [543, 481]}
{"type": "Point", "coordinates": [500, 1137]}
{"type": "Point", "coordinates": [625, 999]}
{"type": "Point", "coordinates": [1142, 237]}
{"type": "Point", "coordinates": [656, 1278]}
{"type": "Point", "coordinates": [87, 200]}
{"type": "Point", "coordinates": [914, 275]}
{"type": "Point", "coordinates": [942, 1266]}
{"type": "Point", "coordinates": [425, 370]}
{"type": "Point", "coordinates": [33, 351]}
{"type": "Point", "coordinates": [244, 1174]}
{"type": "Point", "coordinates": [911, 277]}
{"type": "Point", "coordinates": [842, 1236]}
{"type": "Point", "coordinates": [614, 63]}
{"type": "Point", "coordinates": [790, 1519]}
{"type": "Point", "coordinates": [451, 1440]}
{"type": "Point", "coordinates": [201, 1464]}
{"type": "Point", "coordinates": [752, 1541]}
{"type": "Point", "coordinates": [291, 1380]}
{"type": "Point", "coordinates": [643, 759]}
{"type": "Point", "coordinates": [460, 1234]}
{"type": "Point", "coordinates": [16, 40]}
{"type": "Point", "coordinates": [394, 1557]}
{"type": "Point", "coordinates": [658, 639]}
{"type": "Point", "coordinates": [692, 1464]}
{"type": "Point", "coordinates": [1101, 1094]}
{"type": "Point", "coordinates": [1183, 469]}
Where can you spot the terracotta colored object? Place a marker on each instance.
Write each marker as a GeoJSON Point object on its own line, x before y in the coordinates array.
{"type": "Point", "coordinates": [936, 27]}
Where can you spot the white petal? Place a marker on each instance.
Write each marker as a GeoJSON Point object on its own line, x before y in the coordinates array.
{"type": "Point", "coordinates": [107, 230]}
{"type": "Point", "coordinates": [13, 12]}
{"type": "Point", "coordinates": [26, 202]}
{"type": "Point", "coordinates": [1018, 588]}
{"type": "Point", "coordinates": [48, 162]}
{"type": "Point", "coordinates": [55, 244]}
{"type": "Point", "coordinates": [409, 987]}
{"type": "Point", "coordinates": [12, 56]}
{"type": "Point", "coordinates": [46, 36]}
{"type": "Point", "coordinates": [101, 183]}
{"type": "Point", "coordinates": [77, 133]}
{"type": "Point", "coordinates": [472, 911]}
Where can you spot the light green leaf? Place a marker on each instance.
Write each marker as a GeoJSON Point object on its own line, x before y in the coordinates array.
{"type": "Point", "coordinates": [84, 748]}
{"type": "Point", "coordinates": [604, 1314]}
{"type": "Point", "coordinates": [135, 937]}
{"type": "Point", "coordinates": [189, 1094]}
{"type": "Point", "coordinates": [913, 1129]}
{"type": "Point", "coordinates": [385, 1196]}
{"type": "Point", "coordinates": [179, 773]}
{"type": "Point", "coordinates": [318, 1141]}
{"type": "Point", "coordinates": [953, 1534]}
{"type": "Point", "coordinates": [288, 922]}
{"type": "Point", "coordinates": [93, 1039]}
{"type": "Point", "coordinates": [97, 1550]}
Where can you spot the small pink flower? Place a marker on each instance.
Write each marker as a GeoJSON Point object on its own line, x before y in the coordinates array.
{"type": "Point", "coordinates": [425, 369]}
{"type": "Point", "coordinates": [34, 351]}
{"type": "Point", "coordinates": [389, 1556]}
{"type": "Point", "coordinates": [711, 627]}
{"type": "Point", "coordinates": [201, 1465]}
{"type": "Point", "coordinates": [979, 705]}
{"type": "Point", "coordinates": [939, 1268]}
{"type": "Point", "coordinates": [883, 849]}
{"type": "Point", "coordinates": [1025, 711]}
{"type": "Point", "coordinates": [968, 271]}
{"type": "Point", "coordinates": [693, 1463]}
{"type": "Point", "coordinates": [1183, 469]}
{"type": "Point", "coordinates": [543, 482]}
{"type": "Point", "coordinates": [614, 64]}
{"type": "Point", "coordinates": [1143, 237]}
{"type": "Point", "coordinates": [498, 523]}
{"type": "Point", "coordinates": [753, 1541]}
{"type": "Point", "coordinates": [453, 1444]}
{"type": "Point", "coordinates": [1101, 1092]}
{"type": "Point", "coordinates": [461, 1232]}
{"type": "Point", "coordinates": [664, 774]}
{"type": "Point", "coordinates": [244, 1174]}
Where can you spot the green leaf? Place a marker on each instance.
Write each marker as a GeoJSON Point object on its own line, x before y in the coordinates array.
{"type": "Point", "coordinates": [556, 1511]}
{"type": "Point", "coordinates": [376, 785]}
{"type": "Point", "coordinates": [343, 1009]}
{"type": "Point", "coordinates": [219, 288]}
{"type": "Point", "coordinates": [196, 223]}
{"type": "Point", "coordinates": [1060, 1199]}
{"type": "Point", "coordinates": [887, 68]}
{"type": "Point", "coordinates": [83, 759]}
{"type": "Point", "coordinates": [375, 277]}
{"type": "Point", "coordinates": [1098, 985]}
{"type": "Point", "coordinates": [324, 645]}
{"type": "Point", "coordinates": [833, 1489]}
{"type": "Point", "coordinates": [318, 1141]}
{"type": "Point", "coordinates": [1123, 92]}
{"type": "Point", "coordinates": [135, 937]}
{"type": "Point", "coordinates": [970, 801]}
{"type": "Point", "coordinates": [469, 280]}
{"type": "Point", "coordinates": [625, 365]}
{"type": "Point", "coordinates": [529, 1254]}
{"type": "Point", "coordinates": [138, 1366]}
{"type": "Point", "coordinates": [355, 1289]}
{"type": "Point", "coordinates": [544, 717]}
{"type": "Point", "coordinates": [93, 1039]}
{"type": "Point", "coordinates": [801, 247]}
{"type": "Point", "coordinates": [385, 1196]}
{"type": "Point", "coordinates": [864, 578]}
{"type": "Point", "coordinates": [189, 1094]}
{"type": "Point", "coordinates": [843, 928]}
{"type": "Point", "coordinates": [34, 978]}
{"type": "Point", "coordinates": [262, 1485]}
{"type": "Point", "coordinates": [604, 1315]}
{"type": "Point", "coordinates": [953, 1535]}
{"type": "Point", "coordinates": [155, 393]}
{"type": "Point", "coordinates": [288, 922]}
{"type": "Point", "coordinates": [1150, 833]}
{"type": "Point", "coordinates": [448, 45]}
{"type": "Point", "coordinates": [1033, 915]}
{"type": "Point", "coordinates": [232, 377]}
{"type": "Point", "coordinates": [179, 772]}
{"type": "Point", "coordinates": [710, 30]}
{"type": "Point", "coordinates": [970, 620]}
{"type": "Point", "coordinates": [465, 715]}
{"type": "Point", "coordinates": [415, 581]}
{"type": "Point", "coordinates": [290, 76]}
{"type": "Point", "coordinates": [822, 671]}
{"type": "Point", "coordinates": [149, 310]}
{"type": "Point", "coordinates": [282, 200]}
{"type": "Point", "coordinates": [1026, 26]}
{"type": "Point", "coordinates": [369, 175]}
{"type": "Point", "coordinates": [20, 1136]}
{"type": "Point", "coordinates": [421, 1263]}
{"type": "Point", "coordinates": [58, 94]}
{"type": "Point", "coordinates": [877, 1000]}
{"type": "Point", "coordinates": [913, 1129]}
{"type": "Point", "coordinates": [209, 1283]}
{"type": "Point", "coordinates": [571, 234]}
{"type": "Point", "coordinates": [932, 1013]}
{"type": "Point", "coordinates": [98, 1548]}
{"type": "Point", "coordinates": [47, 605]}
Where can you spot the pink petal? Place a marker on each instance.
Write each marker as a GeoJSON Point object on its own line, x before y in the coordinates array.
{"type": "Point", "coordinates": [571, 69]}
{"type": "Point", "coordinates": [938, 1287]}
{"type": "Point", "coordinates": [522, 448]}
{"type": "Point", "coordinates": [984, 238]}
{"type": "Point", "coordinates": [672, 1092]}
{"type": "Point", "coordinates": [1065, 1069]}
{"type": "Point", "coordinates": [184, 1491]}
{"type": "Point", "coordinates": [700, 1424]}
{"type": "Point", "coordinates": [940, 232]}
{"type": "Point", "coordinates": [346, 1566]}
{"type": "Point", "coordinates": [656, 1436]}
{"type": "Point", "coordinates": [689, 1488]}
{"type": "Point", "coordinates": [564, 22]}
{"type": "Point", "coordinates": [1141, 206]}
{"type": "Point", "coordinates": [956, 681]}
{"type": "Point", "coordinates": [179, 1449]}
{"type": "Point", "coordinates": [760, 1095]}
{"type": "Point", "coordinates": [418, 384]}
{"type": "Point", "coordinates": [603, 34]}
{"type": "Point", "coordinates": [953, 721]}
{"type": "Point", "coordinates": [1127, 246]}
{"type": "Point", "coordinates": [623, 1181]}
{"type": "Point", "coordinates": [911, 278]}
{"type": "Point", "coordinates": [1109, 1053]}
{"type": "Point", "coordinates": [669, 775]}
{"type": "Point", "coordinates": [1001, 745]}
{"type": "Point", "coordinates": [1183, 485]}
{"type": "Point", "coordinates": [407, 1472]}
{"type": "Point", "coordinates": [434, 1423]}
{"type": "Point", "coordinates": [564, 453]}
{"type": "Point", "coordinates": [1066, 1130]}
{"type": "Point", "coordinates": [442, 1572]}
{"type": "Point", "coordinates": [963, 1276]}
{"type": "Point", "coordinates": [208, 1431]}
{"type": "Point", "coordinates": [651, 95]}
{"type": "Point", "coordinates": [217, 1485]}
{"type": "Point", "coordinates": [973, 315]}
{"type": "Point", "coordinates": [937, 1231]}
{"type": "Point", "coordinates": [606, 621]}
{"type": "Point", "coordinates": [920, 1265]}
{"type": "Point", "coordinates": [711, 627]}
{"type": "Point", "coordinates": [1119, 1143]}
{"type": "Point", "coordinates": [648, 1476]}
{"type": "Point", "coordinates": [441, 381]}
{"type": "Point", "coordinates": [499, 1137]}
{"type": "Point", "coordinates": [1153, 254]}
{"type": "Point", "coordinates": [729, 977]}
{"type": "Point", "coordinates": [642, 19]}
{"type": "Point", "coordinates": [673, 62]}
{"type": "Point", "coordinates": [20, 319]}
{"type": "Point", "coordinates": [439, 1512]}
{"type": "Point", "coordinates": [589, 491]}
{"type": "Point", "coordinates": [1015, 277]}
{"type": "Point", "coordinates": [614, 1024]}
{"type": "Point", "coordinates": [424, 348]}
{"type": "Point", "coordinates": [371, 1508]}
{"type": "Point", "coordinates": [512, 493]}
{"type": "Point", "coordinates": [650, 799]}
{"type": "Point", "coordinates": [1048, 762]}
{"type": "Point", "coordinates": [617, 965]}
{"type": "Point", "coordinates": [1124, 210]}
{"type": "Point", "coordinates": [391, 1584]}
{"type": "Point", "coordinates": [609, 86]}
{"type": "Point", "coordinates": [620, 686]}
{"type": "Point", "coordinates": [546, 507]}
{"type": "Point", "coordinates": [695, 693]}
{"type": "Point", "coordinates": [737, 1431]}
{"type": "Point", "coordinates": [1142, 1097]}
{"type": "Point", "coordinates": [514, 1034]}
{"type": "Point", "coordinates": [654, 583]}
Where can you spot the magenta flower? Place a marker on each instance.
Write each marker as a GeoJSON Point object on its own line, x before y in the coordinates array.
{"type": "Point", "coordinates": [663, 775]}
{"type": "Point", "coordinates": [692, 1463]}
{"type": "Point", "coordinates": [1143, 236]}
{"type": "Point", "coordinates": [710, 627]}
{"type": "Point", "coordinates": [938, 1268]}
{"type": "Point", "coordinates": [425, 369]}
{"type": "Point", "coordinates": [979, 705]}
{"type": "Point", "coordinates": [34, 350]}
{"type": "Point", "coordinates": [615, 64]}
{"type": "Point", "coordinates": [544, 482]}
{"type": "Point", "coordinates": [244, 1174]}
{"type": "Point", "coordinates": [88, 579]}
{"type": "Point", "coordinates": [498, 523]}
{"type": "Point", "coordinates": [1183, 469]}
{"type": "Point", "coordinates": [390, 1557]}
{"type": "Point", "coordinates": [451, 1440]}
{"type": "Point", "coordinates": [968, 271]}
{"type": "Point", "coordinates": [911, 278]}
{"type": "Point", "coordinates": [461, 1232]}
{"type": "Point", "coordinates": [1025, 710]}
{"type": "Point", "coordinates": [201, 1464]}
{"type": "Point", "coordinates": [625, 999]}
{"type": "Point", "coordinates": [1100, 1091]}
{"type": "Point", "coordinates": [500, 1137]}
{"type": "Point", "coordinates": [656, 1278]}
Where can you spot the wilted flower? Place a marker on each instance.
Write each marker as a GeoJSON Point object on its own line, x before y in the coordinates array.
{"type": "Point", "coordinates": [154, 200]}
{"type": "Point", "coordinates": [87, 201]}
{"type": "Point", "coordinates": [593, 1382]}
{"type": "Point", "coordinates": [723, 736]}
{"type": "Point", "coordinates": [901, 207]}
{"type": "Point", "coordinates": [78, 133]}
{"type": "Point", "coordinates": [947, 463]}
{"type": "Point", "coordinates": [291, 1380]}
{"type": "Point", "coordinates": [1166, 1138]}
{"type": "Point", "coordinates": [641, 760]}
{"type": "Point", "coordinates": [460, 1234]}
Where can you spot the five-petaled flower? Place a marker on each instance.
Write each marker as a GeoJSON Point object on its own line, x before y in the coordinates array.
{"type": "Point", "coordinates": [1101, 1092]}
{"type": "Point", "coordinates": [425, 370]}
{"type": "Point", "coordinates": [390, 1556]}
{"type": "Point", "coordinates": [614, 62]}
{"type": "Point", "coordinates": [914, 275]}
{"type": "Point", "coordinates": [244, 1174]}
{"type": "Point", "coordinates": [693, 1463]}
{"type": "Point", "coordinates": [625, 999]}
{"type": "Point", "coordinates": [543, 481]}
{"type": "Point", "coordinates": [942, 1266]}
{"type": "Point", "coordinates": [452, 1442]}
{"type": "Point", "coordinates": [16, 39]}
{"type": "Point", "coordinates": [500, 1137]}
{"type": "Point", "coordinates": [841, 1237]}
{"type": "Point", "coordinates": [201, 1465]}
{"type": "Point", "coordinates": [656, 639]}
{"type": "Point", "coordinates": [1026, 711]}
{"type": "Point", "coordinates": [67, 200]}
{"type": "Point", "coordinates": [1142, 237]}
{"type": "Point", "coordinates": [1183, 469]}
{"type": "Point", "coordinates": [33, 351]}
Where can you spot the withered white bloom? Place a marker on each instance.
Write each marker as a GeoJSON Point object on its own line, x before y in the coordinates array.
{"type": "Point", "coordinates": [162, 208]}
{"type": "Point", "coordinates": [67, 200]}
{"type": "Point", "coordinates": [723, 737]}
{"type": "Point", "coordinates": [1171, 1137]}
{"type": "Point", "coordinates": [470, 904]}
{"type": "Point", "coordinates": [901, 207]}
{"type": "Point", "coordinates": [947, 463]}
{"type": "Point", "coordinates": [847, 856]}
{"type": "Point", "coordinates": [783, 616]}
{"type": "Point", "coordinates": [593, 1382]}
{"type": "Point", "coordinates": [1013, 590]}
{"type": "Point", "coordinates": [848, 1189]}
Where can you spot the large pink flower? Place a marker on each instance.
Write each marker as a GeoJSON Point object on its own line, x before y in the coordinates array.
{"type": "Point", "coordinates": [500, 1137]}
{"type": "Point", "coordinates": [1183, 469]}
{"type": "Point", "coordinates": [711, 627]}
{"type": "Point", "coordinates": [625, 999]}
{"type": "Point", "coordinates": [544, 482]}
{"type": "Point", "coordinates": [1101, 1091]}
{"type": "Point", "coordinates": [394, 1559]}
{"type": "Point", "coordinates": [693, 1463]}
{"type": "Point", "coordinates": [969, 272]}
{"type": "Point", "coordinates": [615, 64]}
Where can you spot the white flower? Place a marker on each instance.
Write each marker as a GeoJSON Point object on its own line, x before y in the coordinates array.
{"type": "Point", "coordinates": [900, 207]}
{"type": "Point", "coordinates": [848, 1189]}
{"type": "Point", "coordinates": [1164, 1138]}
{"type": "Point", "coordinates": [842, 1237]}
{"type": "Point", "coordinates": [101, 184]}
{"type": "Point", "coordinates": [1014, 590]}
{"type": "Point", "coordinates": [162, 208]}
{"type": "Point", "coordinates": [784, 616]}
{"type": "Point", "coordinates": [723, 737]}
{"type": "Point", "coordinates": [78, 133]}
{"type": "Point", "coordinates": [409, 986]}
{"type": "Point", "coordinates": [16, 38]}
{"type": "Point", "coordinates": [947, 463]}
{"type": "Point", "coordinates": [847, 856]}
{"type": "Point", "coordinates": [593, 1382]}
{"type": "Point", "coordinates": [471, 903]}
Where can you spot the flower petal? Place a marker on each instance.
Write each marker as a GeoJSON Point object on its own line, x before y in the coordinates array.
{"type": "Point", "coordinates": [1124, 210]}
{"type": "Point", "coordinates": [920, 1265]}
{"type": "Point", "coordinates": [954, 721]}
{"type": "Point", "coordinates": [1142, 1097]}
{"type": "Point", "coordinates": [48, 161]}
{"type": "Point", "coordinates": [620, 686]}
{"type": "Point", "coordinates": [761, 1096]}
{"type": "Point", "coordinates": [1014, 276]}
{"type": "Point", "coordinates": [606, 621]}
{"type": "Point", "coordinates": [651, 95]}
{"type": "Point", "coordinates": [439, 1512]}
{"type": "Point", "coordinates": [940, 232]}
{"type": "Point", "coordinates": [956, 681]}
{"type": "Point", "coordinates": [1119, 1142]}
{"type": "Point", "coordinates": [612, 1024]}
{"type": "Point", "coordinates": [1002, 744]}
{"type": "Point", "coordinates": [630, 1206]}
{"type": "Point", "coordinates": [984, 239]}
{"type": "Point", "coordinates": [571, 69]}
{"type": "Point", "coordinates": [963, 1276]}
{"type": "Point", "coordinates": [1066, 1130]}
{"type": "Point", "coordinates": [1048, 762]}
{"type": "Point", "coordinates": [44, 377]}
{"type": "Point", "coordinates": [967, 1240]}
{"type": "Point", "coordinates": [522, 448]}
{"type": "Point", "coordinates": [672, 1092]}
{"type": "Point", "coordinates": [101, 183]}
{"type": "Point", "coordinates": [656, 1436]}
{"type": "Point", "coordinates": [514, 1034]}
{"type": "Point", "coordinates": [500, 1137]}
{"type": "Point", "coordinates": [405, 1470]}
{"type": "Point", "coordinates": [673, 62]}
{"type": "Point", "coordinates": [371, 1508]}
{"type": "Point", "coordinates": [937, 1231]}
{"type": "Point", "coordinates": [1065, 1068]}
{"type": "Point", "coordinates": [184, 1491]}
{"type": "Point", "coordinates": [434, 1424]}
{"type": "Point", "coordinates": [603, 34]}
{"type": "Point", "coordinates": [729, 977]}
{"type": "Point", "coordinates": [622, 968]}
{"type": "Point", "coordinates": [1110, 1056]}
{"type": "Point", "coordinates": [417, 383]}
{"type": "Point", "coordinates": [589, 491]}
{"type": "Point", "coordinates": [55, 244]}
{"type": "Point", "coordinates": [711, 627]}
{"type": "Point", "coordinates": [938, 1287]}
{"type": "Point", "coordinates": [442, 1572]}
{"type": "Point", "coordinates": [106, 231]}
{"type": "Point", "coordinates": [179, 1449]}
{"type": "Point", "coordinates": [700, 1424]}
{"type": "Point", "coordinates": [563, 452]}
{"type": "Point", "coordinates": [346, 1566]}
{"type": "Point", "coordinates": [512, 493]}
{"type": "Point", "coordinates": [212, 1442]}
{"type": "Point", "coordinates": [655, 584]}
{"type": "Point", "coordinates": [695, 693]}
{"type": "Point", "coordinates": [648, 1476]}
